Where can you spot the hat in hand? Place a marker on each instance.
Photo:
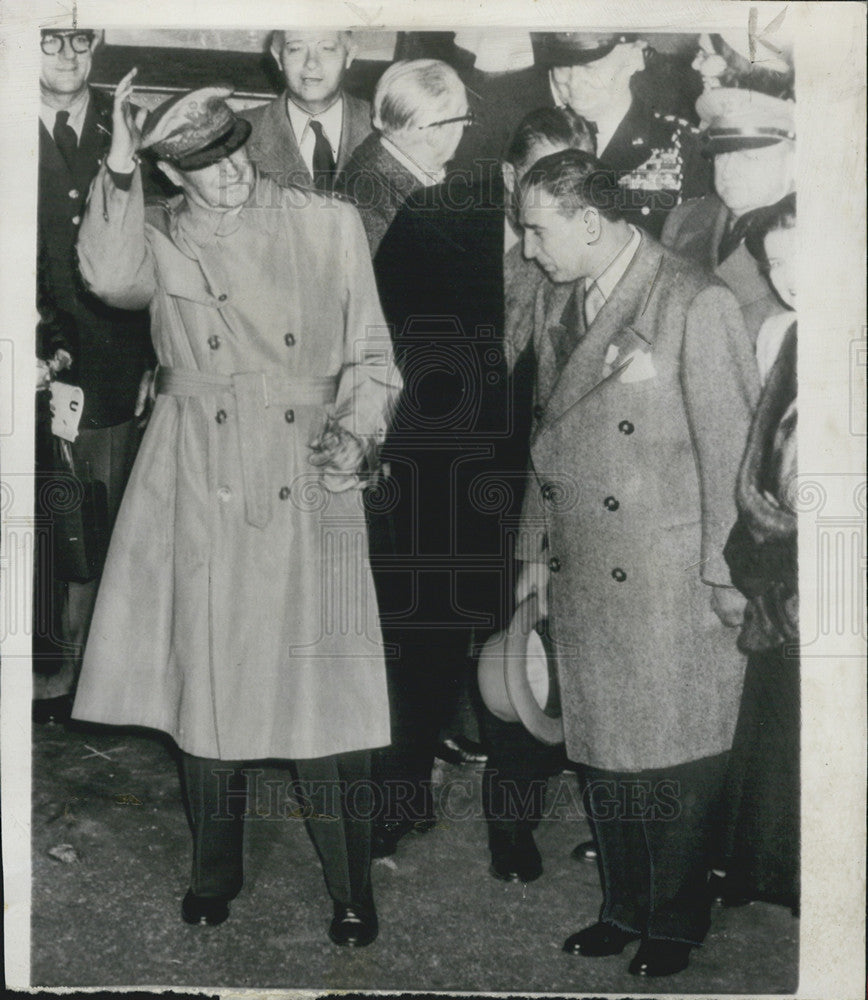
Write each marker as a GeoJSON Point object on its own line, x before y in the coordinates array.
{"type": "Point", "coordinates": [194, 130]}
{"type": "Point", "coordinates": [744, 119]}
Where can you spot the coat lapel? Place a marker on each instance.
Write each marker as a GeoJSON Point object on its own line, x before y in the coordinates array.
{"type": "Point", "coordinates": [356, 127]}
{"type": "Point", "coordinates": [621, 315]}
{"type": "Point", "coordinates": [276, 151]}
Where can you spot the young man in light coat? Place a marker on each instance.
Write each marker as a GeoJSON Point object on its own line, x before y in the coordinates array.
{"type": "Point", "coordinates": [237, 611]}
{"type": "Point", "coordinates": [645, 386]}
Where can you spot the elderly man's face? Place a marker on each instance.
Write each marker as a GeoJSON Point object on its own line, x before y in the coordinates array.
{"type": "Point", "coordinates": [746, 179]}
{"type": "Point", "coordinates": [313, 64]}
{"type": "Point", "coordinates": [223, 185]}
{"type": "Point", "coordinates": [443, 138]}
{"type": "Point", "coordinates": [66, 72]}
{"type": "Point", "coordinates": [590, 89]}
{"type": "Point", "coordinates": [557, 242]}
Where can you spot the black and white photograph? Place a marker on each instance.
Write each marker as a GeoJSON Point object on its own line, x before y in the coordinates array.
{"type": "Point", "coordinates": [415, 574]}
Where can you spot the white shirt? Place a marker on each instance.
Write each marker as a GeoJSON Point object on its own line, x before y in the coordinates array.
{"type": "Point", "coordinates": [425, 177]}
{"type": "Point", "coordinates": [769, 340]}
{"type": "Point", "coordinates": [77, 112]}
{"type": "Point", "coordinates": [332, 121]}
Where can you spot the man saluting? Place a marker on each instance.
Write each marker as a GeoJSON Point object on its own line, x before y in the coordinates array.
{"type": "Point", "coordinates": [216, 622]}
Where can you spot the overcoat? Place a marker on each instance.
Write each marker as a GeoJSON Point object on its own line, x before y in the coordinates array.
{"type": "Point", "coordinates": [695, 230]}
{"type": "Point", "coordinates": [274, 149]}
{"type": "Point", "coordinates": [633, 470]}
{"type": "Point", "coordinates": [237, 611]}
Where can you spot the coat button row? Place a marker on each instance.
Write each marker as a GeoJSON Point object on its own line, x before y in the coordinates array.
{"type": "Point", "coordinates": [554, 564]}
{"type": "Point", "coordinates": [619, 574]}
{"type": "Point", "coordinates": [625, 427]}
{"type": "Point", "coordinates": [548, 492]}
{"type": "Point", "coordinates": [222, 297]}
{"type": "Point", "coordinates": [284, 493]}
{"type": "Point", "coordinates": [289, 416]}
{"type": "Point", "coordinates": [224, 494]}
{"type": "Point", "coordinates": [214, 342]}
{"type": "Point", "coordinates": [221, 417]}
{"type": "Point", "coordinates": [610, 503]}
{"type": "Point", "coordinates": [289, 340]}
{"type": "Point", "coordinates": [74, 193]}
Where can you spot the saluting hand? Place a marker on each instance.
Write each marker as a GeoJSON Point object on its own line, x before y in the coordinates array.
{"type": "Point", "coordinates": [126, 127]}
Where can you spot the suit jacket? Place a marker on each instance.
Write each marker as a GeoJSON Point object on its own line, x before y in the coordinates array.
{"type": "Point", "coordinates": [695, 230]}
{"type": "Point", "coordinates": [273, 147]}
{"type": "Point", "coordinates": [110, 347]}
{"type": "Point", "coordinates": [378, 185]}
{"type": "Point", "coordinates": [632, 494]}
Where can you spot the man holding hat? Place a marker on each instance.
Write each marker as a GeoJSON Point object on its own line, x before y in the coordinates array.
{"type": "Point", "coordinates": [241, 536]}
{"type": "Point", "coordinates": [645, 386]}
{"type": "Point", "coordinates": [751, 138]}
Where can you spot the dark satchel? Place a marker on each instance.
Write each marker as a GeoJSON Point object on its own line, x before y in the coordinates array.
{"type": "Point", "coordinates": [78, 509]}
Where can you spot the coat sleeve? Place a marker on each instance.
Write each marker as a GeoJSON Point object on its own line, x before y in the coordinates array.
{"type": "Point", "coordinates": [114, 258]}
{"type": "Point", "coordinates": [720, 383]}
{"type": "Point", "coordinates": [370, 381]}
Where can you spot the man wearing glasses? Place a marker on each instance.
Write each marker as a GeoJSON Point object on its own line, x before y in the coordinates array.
{"type": "Point", "coordinates": [306, 135]}
{"type": "Point", "coordinates": [110, 349]}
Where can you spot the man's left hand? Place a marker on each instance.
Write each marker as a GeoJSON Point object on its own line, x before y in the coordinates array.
{"type": "Point", "coordinates": [728, 604]}
{"type": "Point", "coordinates": [146, 396]}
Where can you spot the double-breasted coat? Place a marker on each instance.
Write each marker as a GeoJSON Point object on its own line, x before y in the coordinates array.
{"type": "Point", "coordinates": [631, 495]}
{"type": "Point", "coordinates": [237, 611]}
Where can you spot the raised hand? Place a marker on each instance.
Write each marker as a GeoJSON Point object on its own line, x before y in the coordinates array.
{"type": "Point", "coordinates": [126, 127]}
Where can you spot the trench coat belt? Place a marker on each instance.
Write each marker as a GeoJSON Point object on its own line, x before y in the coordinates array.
{"type": "Point", "coordinates": [254, 392]}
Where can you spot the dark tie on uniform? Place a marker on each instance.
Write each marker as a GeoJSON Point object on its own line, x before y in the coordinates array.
{"type": "Point", "coordinates": [323, 161]}
{"type": "Point", "coordinates": [65, 138]}
{"type": "Point", "coordinates": [734, 235]}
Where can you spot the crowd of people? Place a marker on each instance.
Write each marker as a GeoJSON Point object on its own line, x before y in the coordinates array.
{"type": "Point", "coordinates": [347, 382]}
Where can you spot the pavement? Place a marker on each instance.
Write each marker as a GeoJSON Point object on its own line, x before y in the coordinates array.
{"type": "Point", "coordinates": [111, 857]}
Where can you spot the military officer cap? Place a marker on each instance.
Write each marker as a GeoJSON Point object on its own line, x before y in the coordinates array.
{"type": "Point", "coordinates": [194, 130]}
{"type": "Point", "coordinates": [574, 48]}
{"type": "Point", "coordinates": [743, 119]}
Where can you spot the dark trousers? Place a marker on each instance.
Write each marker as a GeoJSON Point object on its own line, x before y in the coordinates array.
{"type": "Point", "coordinates": [334, 796]}
{"type": "Point", "coordinates": [656, 831]}
{"type": "Point", "coordinates": [515, 779]}
{"type": "Point", "coordinates": [64, 609]}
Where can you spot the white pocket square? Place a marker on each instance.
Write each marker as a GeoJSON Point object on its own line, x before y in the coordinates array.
{"type": "Point", "coordinates": [638, 367]}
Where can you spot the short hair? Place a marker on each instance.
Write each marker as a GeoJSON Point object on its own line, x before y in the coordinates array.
{"type": "Point", "coordinates": [278, 37]}
{"type": "Point", "coordinates": [743, 74]}
{"type": "Point", "coordinates": [552, 127]}
{"type": "Point", "coordinates": [410, 89]}
{"type": "Point", "coordinates": [781, 215]}
{"type": "Point", "coordinates": [577, 180]}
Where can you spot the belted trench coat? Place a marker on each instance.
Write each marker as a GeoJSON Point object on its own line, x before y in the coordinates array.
{"type": "Point", "coordinates": [237, 611]}
{"type": "Point", "coordinates": [634, 460]}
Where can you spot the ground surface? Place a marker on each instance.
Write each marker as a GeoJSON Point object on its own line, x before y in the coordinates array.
{"type": "Point", "coordinates": [111, 916]}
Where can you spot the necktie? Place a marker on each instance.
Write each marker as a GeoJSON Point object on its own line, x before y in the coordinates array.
{"type": "Point", "coordinates": [733, 235]}
{"type": "Point", "coordinates": [569, 333]}
{"type": "Point", "coordinates": [323, 161]}
{"type": "Point", "coordinates": [594, 302]}
{"type": "Point", "coordinates": [65, 138]}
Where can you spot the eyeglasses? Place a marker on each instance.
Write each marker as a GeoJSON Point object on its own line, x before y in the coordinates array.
{"type": "Point", "coordinates": [79, 42]}
{"type": "Point", "coordinates": [467, 119]}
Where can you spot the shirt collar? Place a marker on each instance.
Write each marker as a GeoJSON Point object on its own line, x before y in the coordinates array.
{"type": "Point", "coordinates": [77, 112]}
{"type": "Point", "coordinates": [426, 177]}
{"type": "Point", "coordinates": [616, 268]}
{"type": "Point", "coordinates": [332, 120]}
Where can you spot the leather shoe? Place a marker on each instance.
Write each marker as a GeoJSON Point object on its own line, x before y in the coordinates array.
{"type": "Point", "coordinates": [459, 750]}
{"type": "Point", "coordinates": [45, 710]}
{"type": "Point", "coordinates": [514, 856]}
{"type": "Point", "coordinates": [725, 891]}
{"type": "Point", "coordinates": [202, 910]}
{"type": "Point", "coordinates": [585, 852]}
{"type": "Point", "coordinates": [660, 958]}
{"type": "Point", "coordinates": [354, 926]}
{"type": "Point", "coordinates": [385, 837]}
{"type": "Point", "coordinates": [598, 940]}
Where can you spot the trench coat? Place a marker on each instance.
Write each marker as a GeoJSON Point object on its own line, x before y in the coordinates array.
{"type": "Point", "coordinates": [237, 610]}
{"type": "Point", "coordinates": [631, 495]}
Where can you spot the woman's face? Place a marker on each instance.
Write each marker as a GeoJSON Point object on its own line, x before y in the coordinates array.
{"type": "Point", "coordinates": [780, 249]}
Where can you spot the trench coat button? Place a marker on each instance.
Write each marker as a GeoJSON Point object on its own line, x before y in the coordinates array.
{"type": "Point", "coordinates": [214, 342]}
{"type": "Point", "coordinates": [538, 412]}
{"type": "Point", "coordinates": [289, 416]}
{"type": "Point", "coordinates": [76, 219]}
{"type": "Point", "coordinates": [554, 564]}
{"type": "Point", "coordinates": [73, 193]}
{"type": "Point", "coordinates": [289, 340]}
{"type": "Point", "coordinates": [547, 491]}
{"type": "Point", "coordinates": [222, 297]}
{"type": "Point", "coordinates": [221, 417]}
{"type": "Point", "coordinates": [284, 493]}
{"type": "Point", "coordinates": [224, 494]}
{"type": "Point", "coordinates": [625, 427]}
{"type": "Point", "coordinates": [610, 503]}
{"type": "Point", "coordinates": [619, 574]}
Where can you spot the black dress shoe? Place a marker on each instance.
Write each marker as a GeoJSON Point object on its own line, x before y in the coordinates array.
{"type": "Point", "coordinates": [725, 890]}
{"type": "Point", "coordinates": [385, 836]}
{"type": "Point", "coordinates": [459, 750]}
{"type": "Point", "coordinates": [660, 958]}
{"type": "Point", "coordinates": [201, 910]}
{"type": "Point", "coordinates": [354, 926]}
{"type": "Point", "coordinates": [514, 856]}
{"type": "Point", "coordinates": [598, 940]}
{"type": "Point", "coordinates": [585, 852]}
{"type": "Point", "coordinates": [57, 710]}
